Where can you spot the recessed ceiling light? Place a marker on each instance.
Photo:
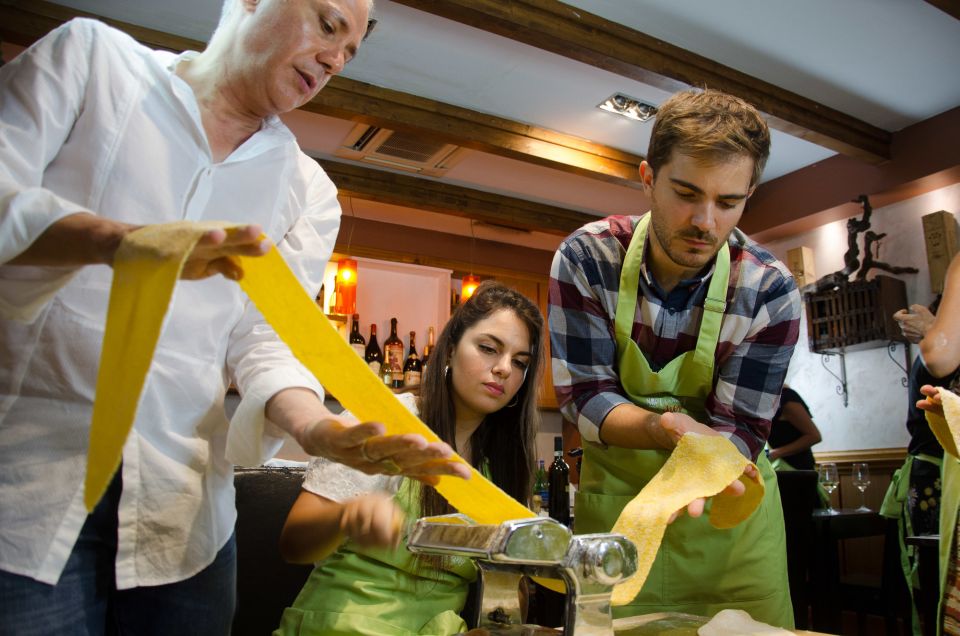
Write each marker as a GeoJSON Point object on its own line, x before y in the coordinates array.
{"type": "Point", "coordinates": [629, 107]}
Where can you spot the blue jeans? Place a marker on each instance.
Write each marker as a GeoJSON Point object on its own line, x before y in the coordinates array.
{"type": "Point", "coordinates": [86, 600]}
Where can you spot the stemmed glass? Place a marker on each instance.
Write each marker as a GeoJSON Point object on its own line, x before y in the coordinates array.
{"type": "Point", "coordinates": [861, 479]}
{"type": "Point", "coordinates": [829, 479]}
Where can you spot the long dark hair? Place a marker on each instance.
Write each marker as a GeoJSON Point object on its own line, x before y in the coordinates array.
{"type": "Point", "coordinates": [504, 441]}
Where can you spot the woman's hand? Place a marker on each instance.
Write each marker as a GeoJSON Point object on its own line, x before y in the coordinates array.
{"type": "Point", "coordinates": [372, 520]}
{"type": "Point", "coordinates": [932, 402]}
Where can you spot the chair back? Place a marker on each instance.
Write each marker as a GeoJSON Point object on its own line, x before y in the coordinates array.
{"type": "Point", "coordinates": [798, 495]}
{"type": "Point", "coordinates": [266, 584]}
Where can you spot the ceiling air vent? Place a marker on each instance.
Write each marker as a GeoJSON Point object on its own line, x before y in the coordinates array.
{"type": "Point", "coordinates": [399, 150]}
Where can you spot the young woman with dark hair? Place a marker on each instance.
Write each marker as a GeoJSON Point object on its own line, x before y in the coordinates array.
{"type": "Point", "coordinates": [479, 395]}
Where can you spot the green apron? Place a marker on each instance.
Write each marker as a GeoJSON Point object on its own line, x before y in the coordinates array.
{"type": "Point", "coordinates": [895, 507]}
{"type": "Point", "coordinates": [381, 592]}
{"type": "Point", "coordinates": [699, 569]}
{"type": "Point", "coordinates": [949, 504]}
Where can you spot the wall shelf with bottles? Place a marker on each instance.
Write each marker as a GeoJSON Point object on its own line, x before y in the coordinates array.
{"type": "Point", "coordinates": [417, 296]}
{"type": "Point", "coordinates": [439, 279]}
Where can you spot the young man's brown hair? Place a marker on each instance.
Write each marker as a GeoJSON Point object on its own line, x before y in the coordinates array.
{"type": "Point", "coordinates": [710, 125]}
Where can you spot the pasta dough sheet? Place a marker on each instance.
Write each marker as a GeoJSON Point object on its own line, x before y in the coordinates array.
{"type": "Point", "coordinates": [700, 466]}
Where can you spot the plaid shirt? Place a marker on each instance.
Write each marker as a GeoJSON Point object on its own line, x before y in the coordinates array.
{"type": "Point", "coordinates": [757, 336]}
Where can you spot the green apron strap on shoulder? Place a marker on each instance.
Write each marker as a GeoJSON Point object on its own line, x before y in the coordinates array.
{"type": "Point", "coordinates": [713, 307]}
{"type": "Point", "coordinates": [629, 283]}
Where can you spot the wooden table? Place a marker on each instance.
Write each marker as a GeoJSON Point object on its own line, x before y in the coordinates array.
{"type": "Point", "coordinates": [828, 531]}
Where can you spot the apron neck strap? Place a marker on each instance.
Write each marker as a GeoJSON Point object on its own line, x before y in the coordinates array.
{"type": "Point", "coordinates": [713, 307]}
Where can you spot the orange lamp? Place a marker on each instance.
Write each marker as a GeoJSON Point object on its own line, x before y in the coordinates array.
{"type": "Point", "coordinates": [469, 285]}
{"type": "Point", "coordinates": [346, 287]}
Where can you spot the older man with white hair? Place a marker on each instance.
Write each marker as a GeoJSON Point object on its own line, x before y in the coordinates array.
{"type": "Point", "coordinates": [98, 136]}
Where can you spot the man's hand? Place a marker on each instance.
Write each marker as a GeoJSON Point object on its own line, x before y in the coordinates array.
{"type": "Point", "coordinates": [364, 446]}
{"type": "Point", "coordinates": [736, 489]}
{"type": "Point", "coordinates": [914, 322]}
{"type": "Point", "coordinates": [673, 426]}
{"type": "Point", "coordinates": [215, 251]}
{"type": "Point", "coordinates": [87, 239]}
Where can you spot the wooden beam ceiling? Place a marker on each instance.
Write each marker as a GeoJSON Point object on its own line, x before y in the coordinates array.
{"type": "Point", "coordinates": [587, 38]}
{"type": "Point", "coordinates": [950, 7]}
{"type": "Point", "coordinates": [23, 22]}
{"type": "Point", "coordinates": [356, 101]}
{"type": "Point", "coordinates": [434, 196]}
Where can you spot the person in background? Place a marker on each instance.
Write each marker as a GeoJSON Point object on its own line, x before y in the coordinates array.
{"type": "Point", "coordinates": [793, 433]}
{"type": "Point", "coordinates": [913, 498]}
{"type": "Point", "coordinates": [940, 352]}
{"type": "Point", "coordinates": [99, 136]}
{"type": "Point", "coordinates": [920, 473]}
{"type": "Point", "coordinates": [479, 394]}
{"type": "Point", "coordinates": [675, 322]}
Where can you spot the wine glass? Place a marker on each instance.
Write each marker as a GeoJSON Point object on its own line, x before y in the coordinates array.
{"type": "Point", "coordinates": [861, 479]}
{"type": "Point", "coordinates": [829, 480]}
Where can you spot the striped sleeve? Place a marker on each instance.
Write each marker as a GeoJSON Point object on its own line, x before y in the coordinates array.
{"type": "Point", "coordinates": [583, 346]}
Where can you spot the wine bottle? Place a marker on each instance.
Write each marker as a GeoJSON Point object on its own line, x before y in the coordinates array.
{"type": "Point", "coordinates": [356, 338]}
{"type": "Point", "coordinates": [393, 358]}
{"type": "Point", "coordinates": [540, 486]}
{"type": "Point", "coordinates": [412, 366]}
{"type": "Point", "coordinates": [372, 353]}
{"type": "Point", "coordinates": [559, 502]}
{"type": "Point", "coordinates": [428, 349]}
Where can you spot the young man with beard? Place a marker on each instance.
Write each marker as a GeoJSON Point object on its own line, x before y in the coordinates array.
{"type": "Point", "coordinates": [675, 322]}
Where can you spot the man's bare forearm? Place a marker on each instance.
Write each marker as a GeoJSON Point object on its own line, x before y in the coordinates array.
{"type": "Point", "coordinates": [78, 239]}
{"type": "Point", "coordinates": [630, 426]}
{"type": "Point", "coordinates": [294, 410]}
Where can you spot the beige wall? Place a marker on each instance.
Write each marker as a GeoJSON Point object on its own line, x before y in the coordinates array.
{"type": "Point", "coordinates": [877, 399]}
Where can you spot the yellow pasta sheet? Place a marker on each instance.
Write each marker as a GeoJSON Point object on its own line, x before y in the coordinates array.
{"type": "Point", "coordinates": [700, 466]}
{"type": "Point", "coordinates": [317, 344]}
{"type": "Point", "coordinates": [948, 435]}
{"type": "Point", "coordinates": [147, 267]}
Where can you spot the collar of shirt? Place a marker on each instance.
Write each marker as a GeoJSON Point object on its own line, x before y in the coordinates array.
{"type": "Point", "coordinates": [678, 298]}
{"type": "Point", "coordinates": [272, 133]}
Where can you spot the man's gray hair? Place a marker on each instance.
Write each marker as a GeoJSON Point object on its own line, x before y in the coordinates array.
{"type": "Point", "coordinates": [226, 10]}
{"type": "Point", "coordinates": [230, 5]}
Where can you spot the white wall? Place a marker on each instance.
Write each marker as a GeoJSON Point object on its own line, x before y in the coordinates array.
{"type": "Point", "coordinates": [877, 406]}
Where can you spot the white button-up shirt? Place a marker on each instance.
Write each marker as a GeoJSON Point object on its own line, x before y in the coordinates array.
{"type": "Point", "coordinates": [90, 120]}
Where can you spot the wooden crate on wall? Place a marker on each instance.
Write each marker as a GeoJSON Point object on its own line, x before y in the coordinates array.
{"type": "Point", "coordinates": [800, 264]}
{"type": "Point", "coordinates": [855, 317]}
{"type": "Point", "coordinates": [940, 238]}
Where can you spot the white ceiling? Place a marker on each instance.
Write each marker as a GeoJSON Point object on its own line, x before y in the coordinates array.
{"type": "Point", "coordinates": [891, 63]}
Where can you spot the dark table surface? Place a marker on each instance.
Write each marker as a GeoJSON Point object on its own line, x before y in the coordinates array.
{"type": "Point", "coordinates": [828, 531]}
